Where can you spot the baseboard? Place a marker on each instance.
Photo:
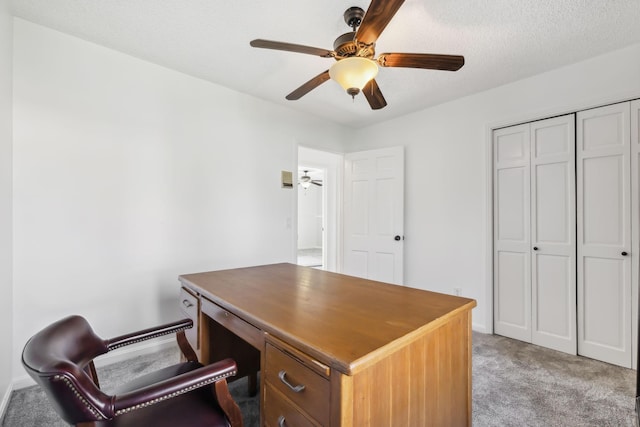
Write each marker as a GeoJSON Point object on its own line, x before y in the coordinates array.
{"type": "Point", "coordinates": [115, 356]}
{"type": "Point", "coordinates": [4, 403]}
{"type": "Point", "coordinates": [479, 327]}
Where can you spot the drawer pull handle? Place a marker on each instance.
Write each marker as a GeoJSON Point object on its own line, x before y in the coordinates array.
{"type": "Point", "coordinates": [294, 388]}
{"type": "Point", "coordinates": [281, 421]}
{"type": "Point", "coordinates": [187, 303]}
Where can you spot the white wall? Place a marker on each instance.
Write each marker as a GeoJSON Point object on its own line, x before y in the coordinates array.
{"type": "Point", "coordinates": [6, 64]}
{"type": "Point", "coordinates": [447, 182]}
{"type": "Point", "coordinates": [128, 174]}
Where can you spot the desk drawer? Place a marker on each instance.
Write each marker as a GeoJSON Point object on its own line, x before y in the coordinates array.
{"type": "Point", "coordinates": [233, 323]}
{"type": "Point", "coordinates": [189, 306]}
{"type": "Point", "coordinates": [305, 388]}
{"type": "Point", "coordinates": [279, 412]}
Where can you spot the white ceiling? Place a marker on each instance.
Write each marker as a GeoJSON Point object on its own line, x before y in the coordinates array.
{"type": "Point", "coordinates": [502, 41]}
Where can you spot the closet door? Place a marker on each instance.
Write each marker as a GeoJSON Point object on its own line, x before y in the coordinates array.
{"type": "Point", "coordinates": [604, 234]}
{"type": "Point", "coordinates": [553, 236]}
{"type": "Point", "coordinates": [512, 248]}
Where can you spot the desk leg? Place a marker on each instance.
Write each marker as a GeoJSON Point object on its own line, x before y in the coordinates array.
{"type": "Point", "coordinates": [253, 384]}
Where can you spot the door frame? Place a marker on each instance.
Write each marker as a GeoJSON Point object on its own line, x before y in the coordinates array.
{"type": "Point", "coordinates": [333, 165]}
{"type": "Point", "coordinates": [489, 261]}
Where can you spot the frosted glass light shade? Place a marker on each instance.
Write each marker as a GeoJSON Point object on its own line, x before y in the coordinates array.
{"type": "Point", "coordinates": [353, 73]}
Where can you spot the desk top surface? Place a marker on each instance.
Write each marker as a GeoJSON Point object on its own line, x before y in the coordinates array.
{"type": "Point", "coordinates": [341, 320]}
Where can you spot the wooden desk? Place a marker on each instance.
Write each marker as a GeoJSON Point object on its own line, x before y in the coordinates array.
{"type": "Point", "coordinates": [354, 352]}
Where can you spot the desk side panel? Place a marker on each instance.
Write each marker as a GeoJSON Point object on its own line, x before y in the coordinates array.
{"type": "Point", "coordinates": [425, 383]}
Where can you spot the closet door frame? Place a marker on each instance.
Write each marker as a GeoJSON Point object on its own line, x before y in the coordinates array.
{"type": "Point", "coordinates": [632, 96]}
{"type": "Point", "coordinates": [635, 228]}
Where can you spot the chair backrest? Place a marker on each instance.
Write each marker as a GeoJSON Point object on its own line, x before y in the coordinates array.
{"type": "Point", "coordinates": [57, 358]}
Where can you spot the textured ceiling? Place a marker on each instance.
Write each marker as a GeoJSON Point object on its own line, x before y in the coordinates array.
{"type": "Point", "coordinates": [501, 40]}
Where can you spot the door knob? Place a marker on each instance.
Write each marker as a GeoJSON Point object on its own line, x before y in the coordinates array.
{"type": "Point", "coordinates": [623, 253]}
{"type": "Point", "coordinates": [397, 238]}
{"type": "Point", "coordinates": [535, 248]}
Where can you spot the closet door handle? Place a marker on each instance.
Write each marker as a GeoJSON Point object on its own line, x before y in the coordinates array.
{"type": "Point", "coordinates": [535, 248]}
{"type": "Point", "coordinates": [623, 253]}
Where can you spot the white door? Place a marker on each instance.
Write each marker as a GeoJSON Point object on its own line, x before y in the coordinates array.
{"type": "Point", "coordinates": [512, 248]}
{"type": "Point", "coordinates": [374, 214]}
{"type": "Point", "coordinates": [553, 234]}
{"type": "Point", "coordinates": [603, 218]}
{"type": "Point", "coordinates": [534, 233]}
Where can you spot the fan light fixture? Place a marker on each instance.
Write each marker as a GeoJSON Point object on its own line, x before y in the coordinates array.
{"type": "Point", "coordinates": [353, 73]}
{"type": "Point", "coordinates": [305, 184]}
{"type": "Point", "coordinates": [305, 180]}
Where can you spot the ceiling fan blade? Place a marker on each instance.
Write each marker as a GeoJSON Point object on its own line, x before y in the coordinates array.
{"type": "Point", "coordinates": [374, 95]}
{"type": "Point", "coordinates": [309, 86]}
{"type": "Point", "coordinates": [319, 184]}
{"type": "Point", "coordinates": [376, 19]}
{"type": "Point", "coordinates": [291, 47]}
{"type": "Point", "coordinates": [422, 60]}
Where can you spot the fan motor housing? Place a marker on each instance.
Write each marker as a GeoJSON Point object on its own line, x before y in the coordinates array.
{"type": "Point", "coordinates": [345, 44]}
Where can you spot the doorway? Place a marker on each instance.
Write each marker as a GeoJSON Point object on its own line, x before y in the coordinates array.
{"type": "Point", "coordinates": [319, 228]}
{"type": "Point", "coordinates": [311, 215]}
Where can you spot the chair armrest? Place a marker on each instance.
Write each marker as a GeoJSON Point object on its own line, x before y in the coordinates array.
{"type": "Point", "coordinates": [147, 334]}
{"type": "Point", "coordinates": [172, 387]}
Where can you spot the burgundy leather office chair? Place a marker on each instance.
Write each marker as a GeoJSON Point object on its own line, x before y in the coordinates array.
{"type": "Point", "coordinates": [60, 359]}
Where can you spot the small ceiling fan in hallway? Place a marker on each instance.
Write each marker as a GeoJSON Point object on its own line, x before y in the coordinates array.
{"type": "Point", "coordinates": [355, 68]}
{"type": "Point", "coordinates": [306, 180]}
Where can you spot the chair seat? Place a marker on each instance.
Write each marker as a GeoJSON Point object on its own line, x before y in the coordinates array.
{"type": "Point", "coordinates": [179, 411]}
{"type": "Point", "coordinates": [157, 376]}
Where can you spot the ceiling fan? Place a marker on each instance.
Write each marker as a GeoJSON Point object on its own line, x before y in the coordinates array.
{"type": "Point", "coordinates": [306, 181]}
{"type": "Point", "coordinates": [354, 52]}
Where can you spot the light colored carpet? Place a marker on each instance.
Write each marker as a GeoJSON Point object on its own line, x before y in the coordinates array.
{"type": "Point", "coordinates": [519, 384]}
{"type": "Point", "coordinates": [514, 384]}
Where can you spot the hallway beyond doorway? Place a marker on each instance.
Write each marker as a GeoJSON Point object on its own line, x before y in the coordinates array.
{"type": "Point", "coordinates": [310, 257]}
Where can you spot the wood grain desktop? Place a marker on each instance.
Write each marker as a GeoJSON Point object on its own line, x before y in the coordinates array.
{"type": "Point", "coordinates": [336, 350]}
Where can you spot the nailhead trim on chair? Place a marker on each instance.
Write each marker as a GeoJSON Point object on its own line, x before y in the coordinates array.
{"type": "Point", "coordinates": [172, 331]}
{"type": "Point", "coordinates": [174, 394]}
{"type": "Point", "coordinates": [81, 398]}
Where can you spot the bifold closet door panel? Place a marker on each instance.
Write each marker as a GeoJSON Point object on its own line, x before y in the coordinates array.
{"type": "Point", "coordinates": [604, 233]}
{"type": "Point", "coordinates": [512, 248]}
{"type": "Point", "coordinates": [553, 236]}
